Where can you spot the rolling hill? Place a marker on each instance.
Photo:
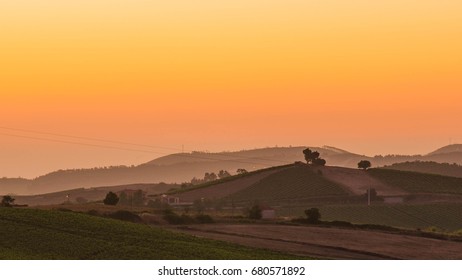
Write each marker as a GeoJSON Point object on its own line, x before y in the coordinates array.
{"type": "Point", "coordinates": [406, 199]}
{"type": "Point", "coordinates": [454, 148]}
{"type": "Point", "coordinates": [182, 167]}
{"type": "Point", "coordinates": [299, 182]}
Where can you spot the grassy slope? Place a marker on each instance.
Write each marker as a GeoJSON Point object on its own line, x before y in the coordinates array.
{"type": "Point", "coordinates": [42, 234]}
{"type": "Point", "coordinates": [293, 183]}
{"type": "Point", "coordinates": [418, 182]}
{"type": "Point", "coordinates": [226, 179]}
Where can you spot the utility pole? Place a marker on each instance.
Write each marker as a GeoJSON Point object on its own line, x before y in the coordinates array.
{"type": "Point", "coordinates": [369, 196]}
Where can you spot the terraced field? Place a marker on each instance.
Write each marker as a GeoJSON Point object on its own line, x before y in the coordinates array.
{"type": "Point", "coordinates": [443, 216]}
{"type": "Point", "coordinates": [414, 182]}
{"type": "Point", "coordinates": [46, 234]}
{"type": "Point", "coordinates": [297, 182]}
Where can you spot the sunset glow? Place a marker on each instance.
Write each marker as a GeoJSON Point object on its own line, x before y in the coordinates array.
{"type": "Point", "coordinates": [371, 77]}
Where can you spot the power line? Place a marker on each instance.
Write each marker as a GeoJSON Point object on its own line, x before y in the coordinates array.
{"type": "Point", "coordinates": [79, 143]}
{"type": "Point", "coordinates": [139, 150]}
{"type": "Point", "coordinates": [88, 138]}
{"type": "Point", "coordinates": [233, 157]}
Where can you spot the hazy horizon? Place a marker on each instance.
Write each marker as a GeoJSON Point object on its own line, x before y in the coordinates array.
{"type": "Point", "coordinates": [101, 154]}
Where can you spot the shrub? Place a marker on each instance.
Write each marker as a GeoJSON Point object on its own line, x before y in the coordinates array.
{"type": "Point", "coordinates": [172, 217]}
{"type": "Point", "coordinates": [255, 212]}
{"type": "Point", "coordinates": [125, 216]}
{"type": "Point", "coordinates": [313, 215]}
{"type": "Point", "coordinates": [111, 199]}
{"type": "Point", "coordinates": [204, 219]}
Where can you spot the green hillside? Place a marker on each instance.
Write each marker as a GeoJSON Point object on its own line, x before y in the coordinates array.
{"type": "Point", "coordinates": [42, 234]}
{"type": "Point", "coordinates": [297, 182]}
{"type": "Point", "coordinates": [414, 182]}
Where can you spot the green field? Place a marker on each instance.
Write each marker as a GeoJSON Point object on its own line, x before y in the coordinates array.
{"type": "Point", "coordinates": [443, 216]}
{"type": "Point", "coordinates": [47, 234]}
{"type": "Point", "coordinates": [418, 182]}
{"type": "Point", "coordinates": [293, 183]}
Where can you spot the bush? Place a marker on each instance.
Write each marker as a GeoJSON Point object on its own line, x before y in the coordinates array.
{"type": "Point", "coordinates": [111, 199]}
{"type": "Point", "coordinates": [313, 215]}
{"type": "Point", "coordinates": [172, 217]}
{"type": "Point", "coordinates": [204, 219]}
{"type": "Point", "coordinates": [7, 201]}
{"type": "Point", "coordinates": [125, 216]}
{"type": "Point", "coordinates": [255, 212]}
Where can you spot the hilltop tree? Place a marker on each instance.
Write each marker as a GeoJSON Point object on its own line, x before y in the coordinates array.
{"type": "Point", "coordinates": [241, 171]}
{"type": "Point", "coordinates": [313, 158]}
{"type": "Point", "coordinates": [7, 201]}
{"type": "Point", "coordinates": [364, 164]}
{"type": "Point", "coordinates": [223, 174]}
{"type": "Point", "coordinates": [319, 162]}
{"type": "Point", "coordinates": [196, 181]}
{"type": "Point", "coordinates": [208, 177]}
{"type": "Point", "coordinates": [111, 199]}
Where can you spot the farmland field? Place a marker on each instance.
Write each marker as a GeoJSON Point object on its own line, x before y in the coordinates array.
{"type": "Point", "coordinates": [330, 242]}
{"type": "Point", "coordinates": [443, 216]}
{"type": "Point", "coordinates": [292, 183]}
{"type": "Point", "coordinates": [45, 234]}
{"type": "Point", "coordinates": [418, 182]}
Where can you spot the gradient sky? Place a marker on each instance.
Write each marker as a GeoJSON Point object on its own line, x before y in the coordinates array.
{"type": "Point", "coordinates": [372, 77]}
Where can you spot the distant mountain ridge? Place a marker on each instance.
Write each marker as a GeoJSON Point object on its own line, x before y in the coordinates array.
{"type": "Point", "coordinates": [453, 148]}
{"type": "Point", "coordinates": [182, 167]}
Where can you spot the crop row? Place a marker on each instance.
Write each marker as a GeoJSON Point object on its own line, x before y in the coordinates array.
{"type": "Point", "coordinates": [46, 234]}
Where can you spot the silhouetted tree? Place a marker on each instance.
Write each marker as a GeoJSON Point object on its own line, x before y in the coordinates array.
{"type": "Point", "coordinates": [313, 215]}
{"type": "Point", "coordinates": [7, 201]}
{"type": "Point", "coordinates": [223, 174]}
{"type": "Point", "coordinates": [255, 212]}
{"type": "Point", "coordinates": [319, 161]}
{"type": "Point", "coordinates": [208, 177]}
{"type": "Point", "coordinates": [196, 181]}
{"type": "Point", "coordinates": [111, 199]}
{"type": "Point", "coordinates": [313, 157]}
{"type": "Point", "coordinates": [241, 171]}
{"type": "Point", "coordinates": [364, 164]}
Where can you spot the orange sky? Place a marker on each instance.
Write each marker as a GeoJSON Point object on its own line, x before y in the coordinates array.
{"type": "Point", "coordinates": [373, 78]}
